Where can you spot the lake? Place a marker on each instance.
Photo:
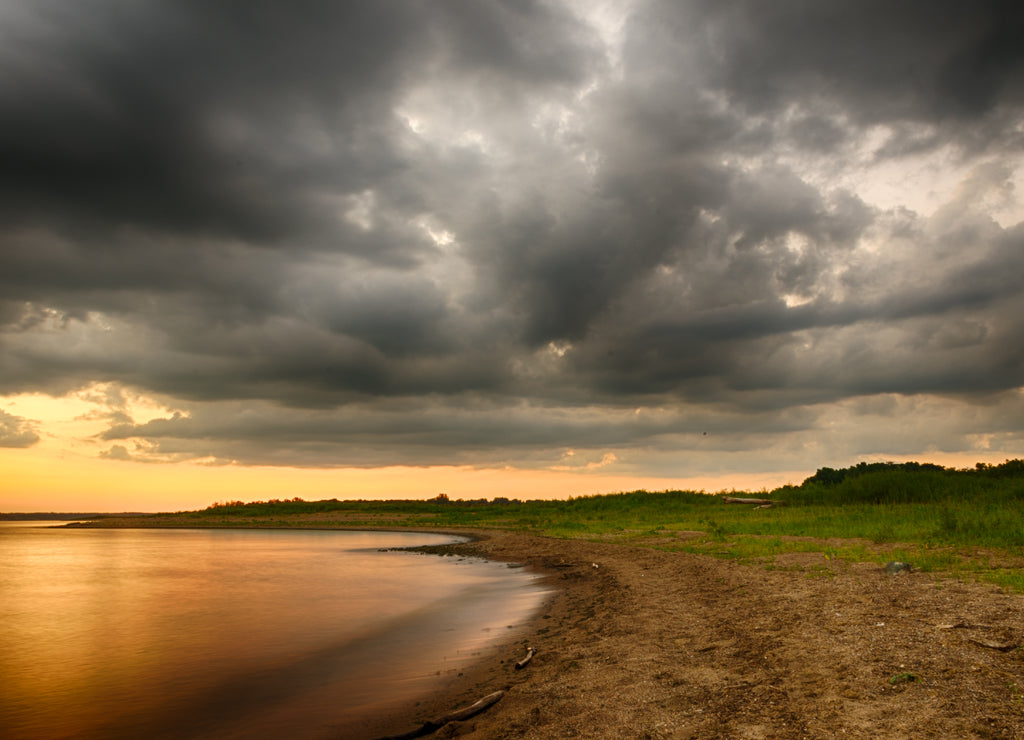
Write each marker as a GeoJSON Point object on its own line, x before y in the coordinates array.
{"type": "Point", "coordinates": [213, 633]}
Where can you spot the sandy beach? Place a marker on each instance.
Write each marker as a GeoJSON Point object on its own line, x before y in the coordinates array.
{"type": "Point", "coordinates": [642, 643]}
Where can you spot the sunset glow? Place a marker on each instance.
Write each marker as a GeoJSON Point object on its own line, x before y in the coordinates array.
{"type": "Point", "coordinates": [64, 472]}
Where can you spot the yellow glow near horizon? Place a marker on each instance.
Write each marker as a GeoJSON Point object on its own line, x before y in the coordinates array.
{"type": "Point", "coordinates": [41, 480]}
{"type": "Point", "coordinates": [64, 472]}
{"type": "Point", "coordinates": [35, 481]}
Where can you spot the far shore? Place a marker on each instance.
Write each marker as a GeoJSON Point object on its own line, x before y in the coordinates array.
{"type": "Point", "coordinates": [638, 642]}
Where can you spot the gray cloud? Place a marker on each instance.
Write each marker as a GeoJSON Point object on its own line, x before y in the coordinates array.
{"type": "Point", "coordinates": [482, 231]}
{"type": "Point", "coordinates": [16, 431]}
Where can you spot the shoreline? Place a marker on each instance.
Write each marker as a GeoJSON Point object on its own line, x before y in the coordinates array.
{"type": "Point", "coordinates": [640, 642]}
{"type": "Point", "coordinates": [483, 676]}
{"type": "Point", "coordinates": [644, 643]}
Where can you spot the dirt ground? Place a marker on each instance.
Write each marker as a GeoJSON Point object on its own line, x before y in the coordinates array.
{"type": "Point", "coordinates": [639, 643]}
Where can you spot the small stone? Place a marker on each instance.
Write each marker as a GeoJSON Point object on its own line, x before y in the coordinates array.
{"type": "Point", "coordinates": [895, 566]}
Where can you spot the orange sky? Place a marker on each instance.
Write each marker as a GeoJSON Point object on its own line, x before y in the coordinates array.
{"type": "Point", "coordinates": [64, 482]}
{"type": "Point", "coordinates": [64, 472]}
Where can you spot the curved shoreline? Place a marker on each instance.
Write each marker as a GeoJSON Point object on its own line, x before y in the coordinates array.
{"type": "Point", "coordinates": [643, 643]}
{"type": "Point", "coordinates": [483, 676]}
{"type": "Point", "coordinates": [638, 642]}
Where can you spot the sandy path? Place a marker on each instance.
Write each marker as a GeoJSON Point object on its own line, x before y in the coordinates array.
{"type": "Point", "coordinates": [639, 643]}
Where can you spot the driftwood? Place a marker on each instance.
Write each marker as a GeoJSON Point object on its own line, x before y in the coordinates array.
{"type": "Point", "coordinates": [530, 652]}
{"type": "Point", "coordinates": [1003, 647]}
{"type": "Point", "coordinates": [761, 503]}
{"type": "Point", "coordinates": [455, 716]}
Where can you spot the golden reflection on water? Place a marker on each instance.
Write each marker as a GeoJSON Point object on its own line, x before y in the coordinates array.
{"type": "Point", "coordinates": [116, 633]}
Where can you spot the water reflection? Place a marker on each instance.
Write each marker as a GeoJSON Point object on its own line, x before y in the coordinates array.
{"type": "Point", "coordinates": [214, 633]}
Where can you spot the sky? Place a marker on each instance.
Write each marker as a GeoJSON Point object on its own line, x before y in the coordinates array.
{"type": "Point", "coordinates": [502, 248]}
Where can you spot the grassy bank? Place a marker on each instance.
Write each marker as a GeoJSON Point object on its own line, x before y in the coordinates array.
{"type": "Point", "coordinates": [970, 522]}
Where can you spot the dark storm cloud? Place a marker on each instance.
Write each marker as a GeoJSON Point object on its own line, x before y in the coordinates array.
{"type": "Point", "coordinates": [877, 61]}
{"type": "Point", "coordinates": [117, 113]}
{"type": "Point", "coordinates": [166, 147]}
{"type": "Point", "coordinates": [229, 120]}
{"type": "Point", "coordinates": [492, 214]}
{"type": "Point", "coordinates": [476, 433]}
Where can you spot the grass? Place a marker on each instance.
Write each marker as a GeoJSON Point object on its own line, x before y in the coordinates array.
{"type": "Point", "coordinates": [904, 678]}
{"type": "Point", "coordinates": [966, 522]}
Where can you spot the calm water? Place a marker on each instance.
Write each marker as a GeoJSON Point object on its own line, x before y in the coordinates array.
{"type": "Point", "coordinates": [234, 634]}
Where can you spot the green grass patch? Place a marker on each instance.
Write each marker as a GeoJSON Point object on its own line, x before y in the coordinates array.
{"type": "Point", "coordinates": [904, 678]}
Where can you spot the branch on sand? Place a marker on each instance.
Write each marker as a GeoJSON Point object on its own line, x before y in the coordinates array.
{"type": "Point", "coordinates": [530, 652]}
{"type": "Point", "coordinates": [456, 716]}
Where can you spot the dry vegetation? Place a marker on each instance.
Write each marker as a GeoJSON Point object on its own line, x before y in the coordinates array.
{"type": "Point", "coordinates": [642, 643]}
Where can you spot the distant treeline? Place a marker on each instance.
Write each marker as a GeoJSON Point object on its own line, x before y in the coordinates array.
{"type": "Point", "coordinates": [298, 505]}
{"type": "Point", "coordinates": [863, 483]}
{"type": "Point", "coordinates": [828, 476]}
{"type": "Point", "coordinates": [910, 482]}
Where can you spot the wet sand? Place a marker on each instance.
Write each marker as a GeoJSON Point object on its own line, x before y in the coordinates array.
{"type": "Point", "coordinates": [642, 643]}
